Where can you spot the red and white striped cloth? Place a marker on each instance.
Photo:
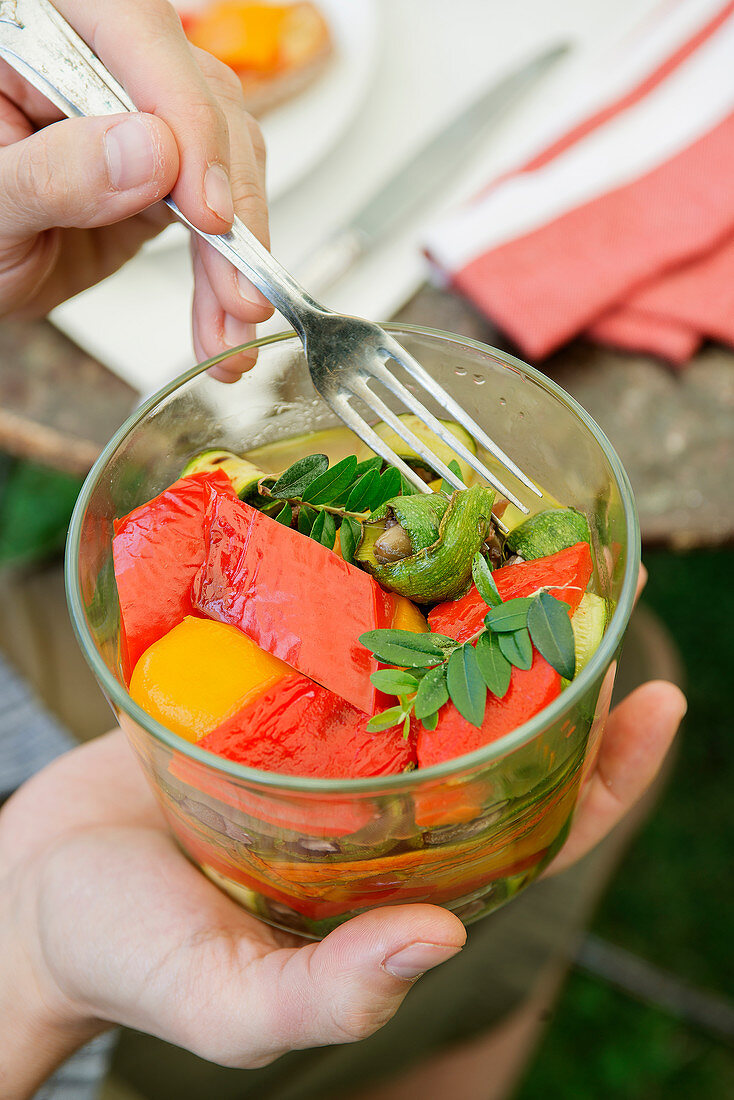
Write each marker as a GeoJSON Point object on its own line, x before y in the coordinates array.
{"type": "Point", "coordinates": [623, 226]}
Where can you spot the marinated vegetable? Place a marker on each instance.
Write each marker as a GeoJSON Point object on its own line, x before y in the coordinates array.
{"type": "Point", "coordinates": [433, 442]}
{"type": "Point", "coordinates": [529, 691]}
{"type": "Point", "coordinates": [292, 596]}
{"type": "Point", "coordinates": [298, 726]}
{"type": "Point", "coordinates": [548, 532]}
{"type": "Point", "coordinates": [200, 673]}
{"type": "Point", "coordinates": [423, 547]}
{"type": "Point", "coordinates": [245, 476]}
{"type": "Point", "coordinates": [588, 623]}
{"type": "Point", "coordinates": [157, 551]}
{"type": "Point", "coordinates": [281, 627]}
{"type": "Point", "coordinates": [565, 575]}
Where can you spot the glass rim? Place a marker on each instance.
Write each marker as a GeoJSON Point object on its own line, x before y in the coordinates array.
{"type": "Point", "coordinates": [469, 762]}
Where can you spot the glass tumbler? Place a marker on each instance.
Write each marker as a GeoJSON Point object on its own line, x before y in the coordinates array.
{"type": "Point", "coordinates": [307, 854]}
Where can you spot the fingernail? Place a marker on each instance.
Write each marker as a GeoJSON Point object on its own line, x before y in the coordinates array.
{"type": "Point", "coordinates": [132, 155]}
{"type": "Point", "coordinates": [236, 332]}
{"type": "Point", "coordinates": [683, 706]}
{"type": "Point", "coordinates": [412, 961]}
{"type": "Point", "coordinates": [222, 375]}
{"type": "Point", "coordinates": [218, 193]}
{"type": "Point", "coordinates": [249, 292]}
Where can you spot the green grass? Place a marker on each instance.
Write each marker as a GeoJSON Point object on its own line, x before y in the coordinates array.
{"type": "Point", "coordinates": [603, 1045]}
{"type": "Point", "coordinates": [35, 508]}
{"type": "Point", "coordinates": [672, 898]}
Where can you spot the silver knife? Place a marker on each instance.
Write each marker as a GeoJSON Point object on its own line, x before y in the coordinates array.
{"type": "Point", "coordinates": [436, 163]}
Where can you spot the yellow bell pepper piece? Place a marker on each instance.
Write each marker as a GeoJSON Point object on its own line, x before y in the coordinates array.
{"type": "Point", "coordinates": [201, 673]}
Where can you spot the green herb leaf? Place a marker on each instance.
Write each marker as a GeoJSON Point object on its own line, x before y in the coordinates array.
{"type": "Point", "coordinates": [390, 484]}
{"type": "Point", "coordinates": [403, 647]}
{"type": "Point", "coordinates": [432, 693]}
{"type": "Point", "coordinates": [517, 648]}
{"type": "Point", "coordinates": [552, 633]}
{"type": "Point", "coordinates": [510, 616]}
{"type": "Point", "coordinates": [430, 721]}
{"type": "Point", "coordinates": [367, 465]}
{"type": "Point", "coordinates": [385, 719]}
{"type": "Point", "coordinates": [324, 530]}
{"type": "Point", "coordinates": [327, 487]}
{"type": "Point", "coordinates": [406, 727]}
{"type": "Point", "coordinates": [362, 492]}
{"type": "Point", "coordinates": [393, 681]}
{"type": "Point", "coordinates": [306, 517]}
{"type": "Point", "coordinates": [426, 643]}
{"type": "Point", "coordinates": [493, 665]}
{"type": "Point", "coordinates": [466, 685]}
{"type": "Point", "coordinates": [408, 489]}
{"type": "Point", "coordinates": [455, 468]}
{"type": "Point", "coordinates": [350, 534]}
{"type": "Point", "coordinates": [406, 657]}
{"type": "Point", "coordinates": [484, 581]}
{"type": "Point", "coordinates": [285, 515]}
{"type": "Point", "coordinates": [317, 527]}
{"type": "Point", "coordinates": [328, 537]}
{"type": "Point", "coordinates": [295, 480]}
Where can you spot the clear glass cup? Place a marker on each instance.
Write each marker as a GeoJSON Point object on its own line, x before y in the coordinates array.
{"type": "Point", "coordinates": [308, 854]}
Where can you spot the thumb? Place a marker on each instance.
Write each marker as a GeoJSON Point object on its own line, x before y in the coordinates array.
{"type": "Point", "coordinates": [85, 172]}
{"type": "Point", "coordinates": [337, 991]}
{"type": "Point", "coordinates": [638, 734]}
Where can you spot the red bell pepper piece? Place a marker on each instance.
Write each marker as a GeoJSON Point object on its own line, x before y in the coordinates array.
{"type": "Point", "coordinates": [157, 550]}
{"type": "Point", "coordinates": [565, 575]}
{"type": "Point", "coordinates": [296, 599]}
{"type": "Point", "coordinates": [298, 727]}
{"type": "Point", "coordinates": [530, 690]}
{"type": "Point", "coordinates": [320, 890]}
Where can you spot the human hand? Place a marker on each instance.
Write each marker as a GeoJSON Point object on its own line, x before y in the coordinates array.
{"type": "Point", "coordinates": [80, 195]}
{"type": "Point", "coordinates": [105, 920]}
{"type": "Point", "coordinates": [638, 734]}
{"type": "Point", "coordinates": [634, 743]}
{"type": "Point", "coordinates": [102, 920]}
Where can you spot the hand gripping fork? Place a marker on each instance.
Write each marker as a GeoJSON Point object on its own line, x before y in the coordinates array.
{"type": "Point", "coordinates": [346, 356]}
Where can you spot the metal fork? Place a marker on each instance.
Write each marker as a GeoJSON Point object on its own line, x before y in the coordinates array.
{"type": "Point", "coordinates": [346, 356]}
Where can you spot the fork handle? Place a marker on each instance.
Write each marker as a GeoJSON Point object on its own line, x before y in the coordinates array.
{"type": "Point", "coordinates": [39, 44]}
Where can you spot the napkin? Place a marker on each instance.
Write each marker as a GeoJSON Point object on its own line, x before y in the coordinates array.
{"type": "Point", "coordinates": [622, 226]}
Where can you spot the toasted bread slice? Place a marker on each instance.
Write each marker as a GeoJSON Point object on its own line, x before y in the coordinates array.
{"type": "Point", "coordinates": [276, 49]}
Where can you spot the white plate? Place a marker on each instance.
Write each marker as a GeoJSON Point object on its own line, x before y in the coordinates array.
{"type": "Point", "coordinates": [301, 132]}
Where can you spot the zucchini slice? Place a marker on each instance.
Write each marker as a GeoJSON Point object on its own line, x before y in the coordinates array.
{"type": "Point", "coordinates": [589, 622]}
{"type": "Point", "coordinates": [548, 532]}
{"type": "Point", "coordinates": [244, 475]}
{"type": "Point", "coordinates": [439, 448]}
{"type": "Point", "coordinates": [335, 443]}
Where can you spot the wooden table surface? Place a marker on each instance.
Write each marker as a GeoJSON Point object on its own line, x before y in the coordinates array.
{"type": "Point", "coordinates": [674, 431]}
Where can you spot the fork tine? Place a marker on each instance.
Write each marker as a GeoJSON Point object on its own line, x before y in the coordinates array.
{"type": "Point", "coordinates": [396, 387]}
{"type": "Point", "coordinates": [421, 448]}
{"type": "Point", "coordinates": [340, 404]}
{"type": "Point", "coordinates": [413, 367]}
{"type": "Point", "coordinates": [380, 409]}
{"type": "Point", "coordinates": [360, 427]}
